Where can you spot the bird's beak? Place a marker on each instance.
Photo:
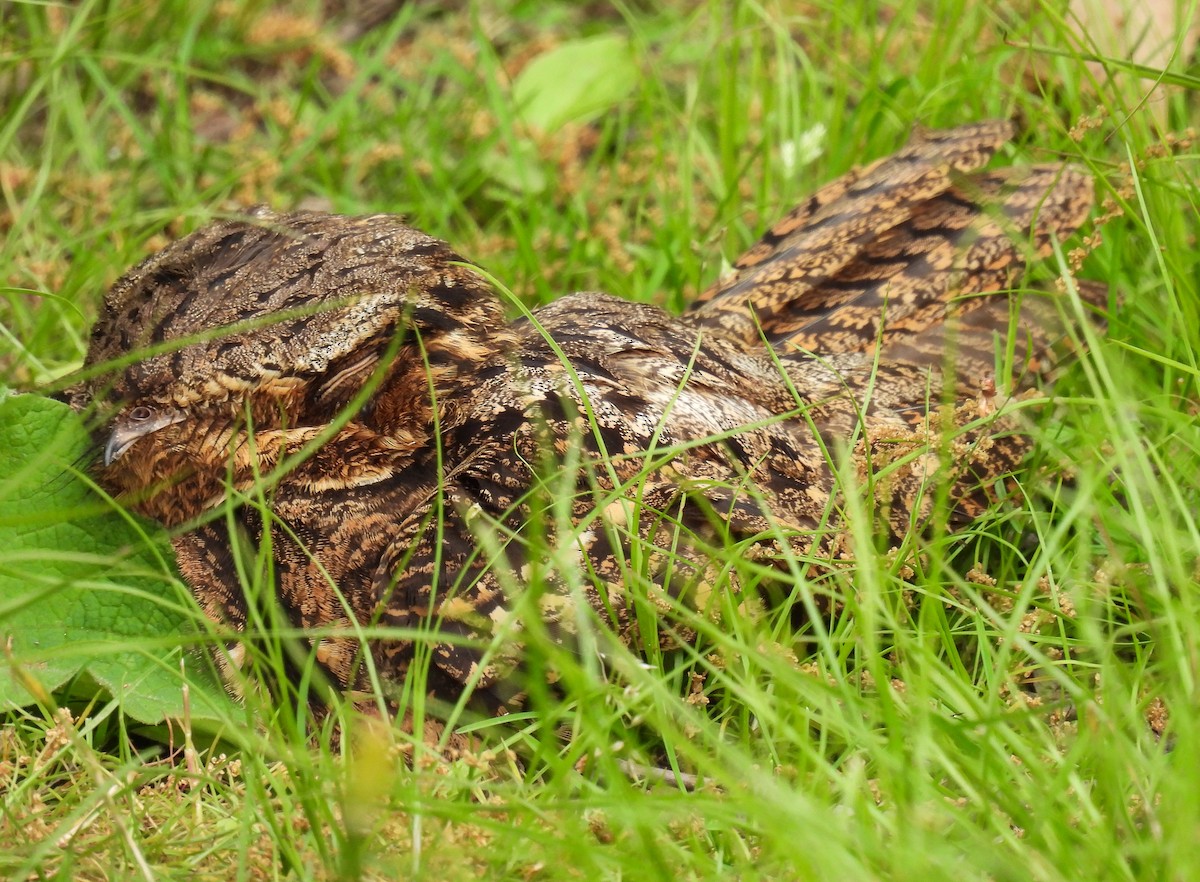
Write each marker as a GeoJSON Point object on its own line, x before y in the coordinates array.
{"type": "Point", "coordinates": [127, 430]}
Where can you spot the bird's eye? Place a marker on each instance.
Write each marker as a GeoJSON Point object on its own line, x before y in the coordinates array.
{"type": "Point", "coordinates": [140, 414]}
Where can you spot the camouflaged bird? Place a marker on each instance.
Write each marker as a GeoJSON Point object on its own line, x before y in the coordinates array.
{"type": "Point", "coordinates": [350, 389]}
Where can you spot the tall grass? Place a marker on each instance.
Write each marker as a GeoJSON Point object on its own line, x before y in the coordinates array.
{"type": "Point", "coordinates": [1017, 701]}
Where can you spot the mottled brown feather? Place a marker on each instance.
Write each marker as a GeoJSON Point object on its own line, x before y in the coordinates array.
{"type": "Point", "coordinates": [411, 446]}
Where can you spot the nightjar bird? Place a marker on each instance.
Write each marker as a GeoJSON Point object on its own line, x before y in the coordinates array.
{"type": "Point", "coordinates": [349, 393]}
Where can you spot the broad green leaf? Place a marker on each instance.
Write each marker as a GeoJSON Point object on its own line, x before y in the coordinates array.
{"type": "Point", "coordinates": [85, 589]}
{"type": "Point", "coordinates": [575, 81]}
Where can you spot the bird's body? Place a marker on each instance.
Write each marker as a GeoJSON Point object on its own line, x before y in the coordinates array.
{"type": "Point", "coordinates": [356, 394]}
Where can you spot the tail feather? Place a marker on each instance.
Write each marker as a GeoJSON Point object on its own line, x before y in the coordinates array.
{"type": "Point", "coordinates": [888, 278]}
{"type": "Point", "coordinates": [994, 341]}
{"type": "Point", "coordinates": [984, 358]}
{"type": "Point", "coordinates": [885, 252]}
{"type": "Point", "coordinates": [869, 199]}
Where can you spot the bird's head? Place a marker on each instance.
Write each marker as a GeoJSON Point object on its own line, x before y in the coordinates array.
{"type": "Point", "coordinates": [241, 343]}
